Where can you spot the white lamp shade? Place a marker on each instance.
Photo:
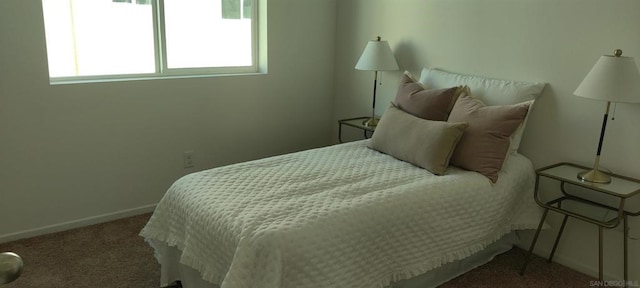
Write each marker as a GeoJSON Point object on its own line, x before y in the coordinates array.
{"type": "Point", "coordinates": [614, 79]}
{"type": "Point", "coordinates": [377, 56]}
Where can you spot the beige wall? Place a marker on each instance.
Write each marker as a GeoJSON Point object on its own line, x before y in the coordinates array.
{"type": "Point", "coordinates": [72, 155]}
{"type": "Point", "coordinates": [552, 41]}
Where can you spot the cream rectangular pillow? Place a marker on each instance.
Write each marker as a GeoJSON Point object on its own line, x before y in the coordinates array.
{"type": "Point", "coordinates": [424, 143]}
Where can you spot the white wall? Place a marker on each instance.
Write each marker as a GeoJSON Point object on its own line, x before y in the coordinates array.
{"type": "Point", "coordinates": [77, 154]}
{"type": "Point", "coordinates": [552, 41]}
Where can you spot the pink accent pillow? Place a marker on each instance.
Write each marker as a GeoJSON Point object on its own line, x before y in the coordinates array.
{"type": "Point", "coordinates": [434, 104]}
{"type": "Point", "coordinates": [485, 143]}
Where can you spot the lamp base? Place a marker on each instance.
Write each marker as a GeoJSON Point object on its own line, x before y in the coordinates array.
{"type": "Point", "coordinates": [595, 176]}
{"type": "Point", "coordinates": [11, 266]}
{"type": "Point", "coordinates": [371, 122]}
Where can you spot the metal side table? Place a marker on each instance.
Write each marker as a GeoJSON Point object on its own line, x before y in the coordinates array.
{"type": "Point", "coordinates": [358, 123]}
{"type": "Point", "coordinates": [620, 189]}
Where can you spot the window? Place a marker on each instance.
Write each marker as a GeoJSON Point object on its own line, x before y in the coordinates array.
{"type": "Point", "coordinates": [107, 39]}
{"type": "Point", "coordinates": [231, 9]}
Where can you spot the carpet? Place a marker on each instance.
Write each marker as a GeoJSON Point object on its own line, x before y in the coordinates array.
{"type": "Point", "coordinates": [104, 255]}
{"type": "Point", "coordinates": [113, 255]}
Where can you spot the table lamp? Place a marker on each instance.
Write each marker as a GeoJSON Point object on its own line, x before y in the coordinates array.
{"type": "Point", "coordinates": [613, 78]}
{"type": "Point", "coordinates": [377, 56]}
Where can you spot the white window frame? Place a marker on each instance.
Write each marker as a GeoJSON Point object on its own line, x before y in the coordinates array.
{"type": "Point", "coordinates": [258, 53]}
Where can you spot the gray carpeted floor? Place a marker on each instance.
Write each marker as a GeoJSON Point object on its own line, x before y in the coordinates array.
{"type": "Point", "coordinates": [104, 255]}
{"type": "Point", "coordinates": [113, 255]}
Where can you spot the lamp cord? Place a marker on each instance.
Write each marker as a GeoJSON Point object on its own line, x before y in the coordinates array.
{"type": "Point", "coordinates": [613, 115]}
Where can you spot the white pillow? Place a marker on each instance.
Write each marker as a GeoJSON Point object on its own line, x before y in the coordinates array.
{"type": "Point", "coordinates": [490, 91]}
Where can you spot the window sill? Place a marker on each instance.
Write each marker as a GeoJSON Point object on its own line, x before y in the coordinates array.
{"type": "Point", "coordinates": [141, 77]}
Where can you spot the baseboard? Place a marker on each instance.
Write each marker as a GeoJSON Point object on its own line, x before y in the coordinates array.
{"type": "Point", "coordinates": [76, 223]}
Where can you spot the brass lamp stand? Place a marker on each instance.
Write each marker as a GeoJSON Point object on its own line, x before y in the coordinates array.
{"type": "Point", "coordinates": [595, 175]}
{"type": "Point", "coordinates": [373, 121]}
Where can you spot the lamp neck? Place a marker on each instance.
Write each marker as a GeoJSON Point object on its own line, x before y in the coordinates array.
{"type": "Point", "coordinates": [604, 127]}
{"type": "Point", "coordinates": [375, 87]}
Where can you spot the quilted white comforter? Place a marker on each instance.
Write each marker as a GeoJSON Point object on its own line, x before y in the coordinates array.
{"type": "Point", "coordinates": [339, 216]}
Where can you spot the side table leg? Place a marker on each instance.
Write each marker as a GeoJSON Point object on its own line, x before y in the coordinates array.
{"type": "Point", "coordinates": [533, 243]}
{"type": "Point", "coordinates": [555, 245]}
{"type": "Point", "coordinates": [626, 247]}
{"type": "Point", "coordinates": [600, 252]}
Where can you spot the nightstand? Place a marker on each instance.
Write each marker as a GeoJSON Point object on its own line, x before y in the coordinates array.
{"type": "Point", "coordinates": [358, 123]}
{"type": "Point", "coordinates": [620, 189]}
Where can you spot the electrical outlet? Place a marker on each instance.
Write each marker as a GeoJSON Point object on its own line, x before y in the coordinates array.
{"type": "Point", "coordinates": [187, 157]}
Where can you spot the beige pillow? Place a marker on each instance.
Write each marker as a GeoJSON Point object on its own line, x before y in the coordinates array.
{"type": "Point", "coordinates": [485, 143]}
{"type": "Point", "coordinates": [424, 143]}
{"type": "Point", "coordinates": [434, 104]}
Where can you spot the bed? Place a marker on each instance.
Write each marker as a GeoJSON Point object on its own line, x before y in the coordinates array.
{"type": "Point", "coordinates": [368, 213]}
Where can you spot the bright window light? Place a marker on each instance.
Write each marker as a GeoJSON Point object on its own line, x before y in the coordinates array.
{"type": "Point", "coordinates": [99, 39]}
{"type": "Point", "coordinates": [212, 40]}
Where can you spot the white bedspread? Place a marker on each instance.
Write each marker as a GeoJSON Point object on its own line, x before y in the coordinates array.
{"type": "Point", "coordinates": [339, 216]}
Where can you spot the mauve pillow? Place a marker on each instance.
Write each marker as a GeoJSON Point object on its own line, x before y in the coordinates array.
{"type": "Point", "coordinates": [434, 104]}
{"type": "Point", "coordinates": [424, 143]}
{"type": "Point", "coordinates": [485, 142]}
